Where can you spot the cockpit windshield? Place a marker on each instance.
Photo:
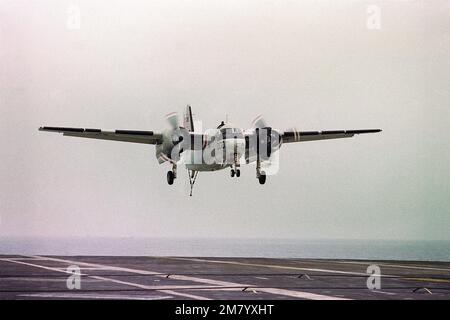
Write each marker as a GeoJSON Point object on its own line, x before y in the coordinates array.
{"type": "Point", "coordinates": [230, 133]}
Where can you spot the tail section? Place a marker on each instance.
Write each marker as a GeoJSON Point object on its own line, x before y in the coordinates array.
{"type": "Point", "coordinates": [188, 122]}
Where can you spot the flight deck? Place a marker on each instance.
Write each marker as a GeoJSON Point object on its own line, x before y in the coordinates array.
{"type": "Point", "coordinates": [195, 278]}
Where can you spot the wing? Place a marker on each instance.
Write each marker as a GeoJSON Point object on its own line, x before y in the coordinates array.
{"type": "Point", "coordinates": [135, 136]}
{"type": "Point", "coordinates": [301, 136]}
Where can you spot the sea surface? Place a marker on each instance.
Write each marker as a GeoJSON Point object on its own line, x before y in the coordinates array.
{"type": "Point", "coordinates": [272, 248]}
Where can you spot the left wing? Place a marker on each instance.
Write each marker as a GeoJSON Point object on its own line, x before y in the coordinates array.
{"type": "Point", "coordinates": [301, 136]}
{"type": "Point", "coordinates": [135, 136]}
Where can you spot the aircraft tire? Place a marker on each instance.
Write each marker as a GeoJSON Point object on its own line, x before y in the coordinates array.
{"type": "Point", "coordinates": [170, 177]}
{"type": "Point", "coordinates": [262, 178]}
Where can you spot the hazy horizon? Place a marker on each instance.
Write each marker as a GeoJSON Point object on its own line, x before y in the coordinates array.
{"type": "Point", "coordinates": [313, 65]}
{"type": "Point", "coordinates": [412, 250]}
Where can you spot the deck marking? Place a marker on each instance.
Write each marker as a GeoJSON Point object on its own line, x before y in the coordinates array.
{"type": "Point", "coordinates": [92, 296]}
{"type": "Point", "coordinates": [22, 258]}
{"type": "Point", "coordinates": [428, 279]}
{"type": "Point", "coordinates": [273, 266]}
{"type": "Point", "coordinates": [89, 268]}
{"type": "Point", "coordinates": [289, 293]}
{"type": "Point", "coordinates": [96, 277]}
{"type": "Point", "coordinates": [384, 292]}
{"type": "Point", "coordinates": [312, 269]}
{"type": "Point", "coordinates": [218, 283]}
{"type": "Point", "coordinates": [37, 279]}
{"type": "Point", "coordinates": [35, 265]}
{"type": "Point", "coordinates": [143, 286]}
{"type": "Point", "coordinates": [299, 294]}
{"type": "Point", "coordinates": [187, 295]}
{"type": "Point", "coordinates": [385, 265]}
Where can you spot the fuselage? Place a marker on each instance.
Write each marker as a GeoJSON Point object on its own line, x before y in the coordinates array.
{"type": "Point", "coordinates": [222, 148]}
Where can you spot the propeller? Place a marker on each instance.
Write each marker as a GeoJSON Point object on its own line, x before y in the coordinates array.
{"type": "Point", "coordinates": [174, 120]}
{"type": "Point", "coordinates": [267, 136]}
{"type": "Point", "coordinates": [171, 138]}
{"type": "Point", "coordinates": [259, 122]}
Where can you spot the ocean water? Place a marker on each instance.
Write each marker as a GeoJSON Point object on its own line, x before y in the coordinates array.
{"type": "Point", "coordinates": [272, 248]}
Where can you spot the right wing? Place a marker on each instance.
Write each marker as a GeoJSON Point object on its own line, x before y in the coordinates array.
{"type": "Point", "coordinates": [135, 136]}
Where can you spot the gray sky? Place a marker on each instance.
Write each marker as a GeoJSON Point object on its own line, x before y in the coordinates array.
{"type": "Point", "coordinates": [310, 64]}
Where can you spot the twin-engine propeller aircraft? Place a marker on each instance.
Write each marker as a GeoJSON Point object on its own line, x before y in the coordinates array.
{"type": "Point", "coordinates": [224, 147]}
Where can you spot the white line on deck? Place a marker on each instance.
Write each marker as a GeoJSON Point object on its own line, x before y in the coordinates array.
{"type": "Point", "coordinates": [384, 292]}
{"type": "Point", "coordinates": [88, 268]}
{"type": "Point", "coordinates": [99, 278]}
{"type": "Point", "coordinates": [23, 258]}
{"type": "Point", "coordinates": [37, 279]}
{"type": "Point", "coordinates": [182, 294]}
{"type": "Point", "coordinates": [386, 265]}
{"type": "Point", "coordinates": [289, 293]}
{"type": "Point", "coordinates": [272, 266]}
{"type": "Point", "coordinates": [93, 296]}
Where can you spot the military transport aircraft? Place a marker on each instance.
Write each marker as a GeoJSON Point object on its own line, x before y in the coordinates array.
{"type": "Point", "coordinates": [224, 147]}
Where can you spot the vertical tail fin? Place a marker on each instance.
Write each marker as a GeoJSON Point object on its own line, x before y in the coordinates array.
{"type": "Point", "coordinates": [188, 122]}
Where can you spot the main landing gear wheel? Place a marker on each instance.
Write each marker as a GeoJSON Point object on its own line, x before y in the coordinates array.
{"type": "Point", "coordinates": [170, 177]}
{"type": "Point", "coordinates": [236, 173]}
{"type": "Point", "coordinates": [262, 178]}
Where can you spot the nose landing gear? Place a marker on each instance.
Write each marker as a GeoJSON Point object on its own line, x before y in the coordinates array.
{"type": "Point", "coordinates": [235, 168]}
{"type": "Point", "coordinates": [236, 173]}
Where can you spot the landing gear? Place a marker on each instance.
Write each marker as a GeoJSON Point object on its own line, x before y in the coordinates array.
{"type": "Point", "coordinates": [235, 168]}
{"type": "Point", "coordinates": [236, 173]}
{"type": "Point", "coordinates": [172, 175]}
{"type": "Point", "coordinates": [260, 175]}
{"type": "Point", "coordinates": [192, 177]}
{"type": "Point", "coordinates": [262, 178]}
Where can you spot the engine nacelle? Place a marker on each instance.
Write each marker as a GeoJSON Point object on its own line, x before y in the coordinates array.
{"type": "Point", "coordinates": [172, 146]}
{"type": "Point", "coordinates": [262, 144]}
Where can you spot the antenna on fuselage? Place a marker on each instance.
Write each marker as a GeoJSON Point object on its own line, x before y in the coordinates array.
{"type": "Point", "coordinates": [226, 118]}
